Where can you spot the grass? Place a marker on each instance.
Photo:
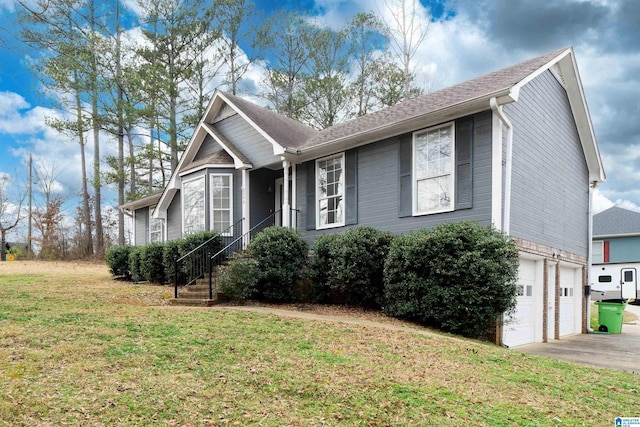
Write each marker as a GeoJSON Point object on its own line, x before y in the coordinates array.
{"type": "Point", "coordinates": [77, 348]}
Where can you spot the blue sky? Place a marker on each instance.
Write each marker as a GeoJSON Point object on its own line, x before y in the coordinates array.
{"type": "Point", "coordinates": [466, 38]}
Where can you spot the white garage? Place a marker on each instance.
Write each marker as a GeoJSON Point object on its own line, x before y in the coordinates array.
{"type": "Point", "coordinates": [570, 301]}
{"type": "Point", "coordinates": [525, 325]}
{"type": "Point", "coordinates": [563, 285]}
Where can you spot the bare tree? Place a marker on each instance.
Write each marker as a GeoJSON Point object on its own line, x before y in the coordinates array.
{"type": "Point", "coordinates": [406, 35]}
{"type": "Point", "coordinates": [11, 199]}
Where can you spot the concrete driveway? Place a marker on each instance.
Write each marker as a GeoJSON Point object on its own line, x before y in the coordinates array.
{"type": "Point", "coordinates": [615, 351]}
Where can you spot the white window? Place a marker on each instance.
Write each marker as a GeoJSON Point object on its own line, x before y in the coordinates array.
{"type": "Point", "coordinates": [597, 253]}
{"type": "Point", "coordinates": [221, 197]}
{"type": "Point", "coordinates": [330, 191]}
{"type": "Point", "coordinates": [193, 199]}
{"type": "Point", "coordinates": [156, 230]}
{"type": "Point", "coordinates": [433, 170]}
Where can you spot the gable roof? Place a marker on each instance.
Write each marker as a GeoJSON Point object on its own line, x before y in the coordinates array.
{"type": "Point", "coordinates": [300, 143]}
{"type": "Point", "coordinates": [495, 84]}
{"type": "Point", "coordinates": [616, 221]}
{"type": "Point", "coordinates": [287, 132]}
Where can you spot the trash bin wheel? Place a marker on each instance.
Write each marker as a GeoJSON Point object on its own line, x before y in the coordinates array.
{"type": "Point", "coordinates": [603, 328]}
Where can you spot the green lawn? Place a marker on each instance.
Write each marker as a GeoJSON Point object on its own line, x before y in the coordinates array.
{"type": "Point", "coordinates": [77, 348]}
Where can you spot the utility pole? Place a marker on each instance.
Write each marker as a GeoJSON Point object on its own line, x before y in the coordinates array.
{"type": "Point", "coordinates": [29, 254]}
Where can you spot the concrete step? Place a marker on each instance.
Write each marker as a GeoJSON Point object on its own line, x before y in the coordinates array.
{"type": "Point", "coordinates": [192, 302]}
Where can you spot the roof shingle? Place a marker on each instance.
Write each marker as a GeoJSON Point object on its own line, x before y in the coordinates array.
{"type": "Point", "coordinates": [616, 221]}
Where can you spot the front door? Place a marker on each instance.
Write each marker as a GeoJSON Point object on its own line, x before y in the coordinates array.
{"type": "Point", "coordinates": [628, 283]}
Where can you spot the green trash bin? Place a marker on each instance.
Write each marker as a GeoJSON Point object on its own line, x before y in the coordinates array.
{"type": "Point", "coordinates": [610, 314]}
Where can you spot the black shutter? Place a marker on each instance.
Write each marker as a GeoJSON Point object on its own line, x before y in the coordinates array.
{"type": "Point", "coordinates": [351, 184]}
{"type": "Point", "coordinates": [464, 163]}
{"type": "Point", "coordinates": [405, 156]}
{"type": "Point", "coordinates": [311, 195]}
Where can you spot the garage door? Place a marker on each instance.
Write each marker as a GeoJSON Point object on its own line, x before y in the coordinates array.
{"type": "Point", "coordinates": [570, 304]}
{"type": "Point", "coordinates": [520, 329]}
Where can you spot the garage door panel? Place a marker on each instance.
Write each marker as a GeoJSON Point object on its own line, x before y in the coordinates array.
{"type": "Point", "coordinates": [520, 328]}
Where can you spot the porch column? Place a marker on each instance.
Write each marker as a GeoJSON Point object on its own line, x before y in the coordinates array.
{"type": "Point", "coordinates": [286, 208]}
{"type": "Point", "coordinates": [294, 199]}
{"type": "Point", "coordinates": [246, 224]}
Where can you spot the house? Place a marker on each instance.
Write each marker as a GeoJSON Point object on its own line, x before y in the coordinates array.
{"type": "Point", "coordinates": [514, 148]}
{"type": "Point", "coordinates": [615, 252]}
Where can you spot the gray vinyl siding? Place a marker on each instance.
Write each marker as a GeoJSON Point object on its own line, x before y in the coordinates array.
{"type": "Point", "coordinates": [141, 237]}
{"type": "Point", "coordinates": [262, 201]}
{"type": "Point", "coordinates": [550, 190]}
{"type": "Point", "coordinates": [208, 147]}
{"type": "Point", "coordinates": [247, 140]}
{"type": "Point", "coordinates": [378, 177]}
{"type": "Point", "coordinates": [174, 217]}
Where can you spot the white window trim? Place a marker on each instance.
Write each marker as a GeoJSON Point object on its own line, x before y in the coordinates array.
{"type": "Point", "coordinates": [414, 185]}
{"type": "Point", "coordinates": [204, 195]}
{"type": "Point", "coordinates": [344, 200]}
{"type": "Point", "coordinates": [211, 209]}
{"type": "Point", "coordinates": [151, 221]}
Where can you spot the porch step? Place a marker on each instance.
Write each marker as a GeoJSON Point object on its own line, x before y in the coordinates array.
{"type": "Point", "coordinates": [193, 302]}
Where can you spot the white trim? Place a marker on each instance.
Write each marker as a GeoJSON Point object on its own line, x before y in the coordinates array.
{"type": "Point", "coordinates": [204, 195]}
{"type": "Point", "coordinates": [317, 186]}
{"type": "Point", "coordinates": [497, 170]}
{"type": "Point", "coordinates": [246, 202]}
{"type": "Point", "coordinates": [452, 174]}
{"type": "Point", "coordinates": [207, 166]}
{"type": "Point", "coordinates": [211, 208]}
{"type": "Point", "coordinates": [294, 198]}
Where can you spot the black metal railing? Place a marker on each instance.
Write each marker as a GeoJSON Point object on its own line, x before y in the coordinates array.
{"type": "Point", "coordinates": [203, 258]}
{"type": "Point", "coordinates": [193, 265]}
{"type": "Point", "coordinates": [237, 245]}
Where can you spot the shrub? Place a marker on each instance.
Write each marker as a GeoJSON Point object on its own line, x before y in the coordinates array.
{"type": "Point", "coordinates": [281, 255]}
{"type": "Point", "coordinates": [351, 266]}
{"type": "Point", "coordinates": [458, 277]}
{"type": "Point", "coordinates": [193, 240]}
{"type": "Point", "coordinates": [170, 253]}
{"type": "Point", "coordinates": [152, 266]}
{"type": "Point", "coordinates": [117, 258]}
{"type": "Point", "coordinates": [135, 257]}
{"type": "Point", "coordinates": [325, 250]}
{"type": "Point", "coordinates": [239, 278]}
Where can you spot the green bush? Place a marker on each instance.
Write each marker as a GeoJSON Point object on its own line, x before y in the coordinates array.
{"type": "Point", "coordinates": [458, 277]}
{"type": "Point", "coordinates": [239, 277]}
{"type": "Point", "coordinates": [135, 258]}
{"type": "Point", "coordinates": [170, 253]}
{"type": "Point", "coordinates": [152, 266]}
{"type": "Point", "coordinates": [349, 267]}
{"type": "Point", "coordinates": [281, 255]}
{"type": "Point", "coordinates": [325, 252]}
{"type": "Point", "coordinates": [117, 259]}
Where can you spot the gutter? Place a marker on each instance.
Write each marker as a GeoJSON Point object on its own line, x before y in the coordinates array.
{"type": "Point", "coordinates": [506, 217]}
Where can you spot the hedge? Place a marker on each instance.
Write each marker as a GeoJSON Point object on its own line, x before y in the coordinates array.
{"type": "Point", "coordinates": [281, 255]}
{"type": "Point", "coordinates": [458, 277]}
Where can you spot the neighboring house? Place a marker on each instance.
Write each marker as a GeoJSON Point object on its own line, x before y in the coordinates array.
{"type": "Point", "coordinates": [514, 148]}
{"type": "Point", "coordinates": [615, 259]}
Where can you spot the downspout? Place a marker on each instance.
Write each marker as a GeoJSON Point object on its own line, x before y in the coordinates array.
{"type": "Point", "coordinates": [592, 188]}
{"type": "Point", "coordinates": [506, 218]}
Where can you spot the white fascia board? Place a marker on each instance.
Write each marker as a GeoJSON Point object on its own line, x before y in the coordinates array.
{"type": "Point", "coordinates": [578, 102]}
{"type": "Point", "coordinates": [237, 161]}
{"type": "Point", "coordinates": [424, 121]}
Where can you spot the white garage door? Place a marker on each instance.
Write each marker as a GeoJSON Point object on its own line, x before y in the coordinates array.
{"type": "Point", "coordinates": [570, 304]}
{"type": "Point", "coordinates": [520, 329]}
